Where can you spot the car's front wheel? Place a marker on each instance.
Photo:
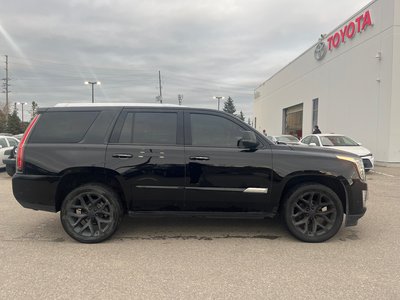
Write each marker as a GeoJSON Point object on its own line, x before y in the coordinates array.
{"type": "Point", "coordinates": [91, 213]}
{"type": "Point", "coordinates": [313, 212]}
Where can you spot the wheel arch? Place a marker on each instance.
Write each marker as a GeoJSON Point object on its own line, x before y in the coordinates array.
{"type": "Point", "coordinates": [74, 177]}
{"type": "Point", "coordinates": [334, 183]}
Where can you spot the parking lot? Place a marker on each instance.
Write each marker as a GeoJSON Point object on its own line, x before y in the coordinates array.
{"type": "Point", "coordinates": [203, 258]}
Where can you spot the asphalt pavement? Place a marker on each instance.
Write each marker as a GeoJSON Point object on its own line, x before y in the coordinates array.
{"type": "Point", "coordinates": [197, 258]}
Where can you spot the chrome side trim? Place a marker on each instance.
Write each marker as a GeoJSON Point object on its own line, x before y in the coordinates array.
{"type": "Point", "coordinates": [159, 187]}
{"type": "Point", "coordinates": [215, 189]}
{"type": "Point", "coordinates": [248, 190]}
{"type": "Point", "coordinates": [256, 190]}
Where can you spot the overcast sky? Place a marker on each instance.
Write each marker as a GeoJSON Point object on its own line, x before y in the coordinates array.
{"type": "Point", "coordinates": [202, 48]}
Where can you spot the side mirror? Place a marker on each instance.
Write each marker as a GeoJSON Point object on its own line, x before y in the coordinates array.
{"type": "Point", "coordinates": [313, 144]}
{"type": "Point", "coordinates": [248, 140]}
{"type": "Point", "coordinates": [359, 144]}
{"type": "Point", "coordinates": [14, 152]}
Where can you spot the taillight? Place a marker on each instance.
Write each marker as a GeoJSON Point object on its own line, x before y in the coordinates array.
{"type": "Point", "coordinates": [20, 154]}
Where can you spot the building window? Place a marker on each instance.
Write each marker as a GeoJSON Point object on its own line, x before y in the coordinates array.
{"type": "Point", "coordinates": [293, 120]}
{"type": "Point", "coordinates": [314, 112]}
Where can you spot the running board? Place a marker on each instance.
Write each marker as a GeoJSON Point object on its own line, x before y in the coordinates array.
{"type": "Point", "coordinates": [230, 215]}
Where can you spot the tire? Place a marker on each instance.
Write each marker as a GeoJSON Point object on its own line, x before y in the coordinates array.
{"type": "Point", "coordinates": [313, 212]}
{"type": "Point", "coordinates": [91, 213]}
{"type": "Point", "coordinates": [10, 169]}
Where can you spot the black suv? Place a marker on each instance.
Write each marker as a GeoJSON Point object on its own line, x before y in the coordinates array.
{"type": "Point", "coordinates": [97, 162]}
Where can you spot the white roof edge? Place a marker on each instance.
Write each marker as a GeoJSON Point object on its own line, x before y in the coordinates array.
{"type": "Point", "coordinates": [327, 35]}
{"type": "Point", "coordinates": [119, 104]}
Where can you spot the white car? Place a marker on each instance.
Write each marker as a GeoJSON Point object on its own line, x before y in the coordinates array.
{"type": "Point", "coordinates": [341, 142]}
{"type": "Point", "coordinates": [6, 142]}
{"type": "Point", "coordinates": [285, 139]}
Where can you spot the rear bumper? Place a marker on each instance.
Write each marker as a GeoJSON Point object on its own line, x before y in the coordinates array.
{"type": "Point", "coordinates": [36, 192]}
{"type": "Point", "coordinates": [9, 161]}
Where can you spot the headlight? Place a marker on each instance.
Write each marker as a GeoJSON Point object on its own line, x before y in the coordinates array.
{"type": "Point", "coordinates": [358, 164]}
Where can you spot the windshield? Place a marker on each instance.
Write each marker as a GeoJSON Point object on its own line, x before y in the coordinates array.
{"type": "Point", "coordinates": [337, 140]}
{"type": "Point", "coordinates": [286, 138]}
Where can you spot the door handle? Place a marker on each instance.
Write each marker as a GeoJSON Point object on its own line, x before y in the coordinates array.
{"type": "Point", "coordinates": [199, 158]}
{"type": "Point", "coordinates": [122, 155]}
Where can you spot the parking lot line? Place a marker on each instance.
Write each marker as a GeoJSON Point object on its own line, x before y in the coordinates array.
{"type": "Point", "coordinates": [380, 173]}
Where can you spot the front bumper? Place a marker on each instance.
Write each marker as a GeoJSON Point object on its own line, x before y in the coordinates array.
{"type": "Point", "coordinates": [37, 192]}
{"type": "Point", "coordinates": [352, 220]}
{"type": "Point", "coordinates": [356, 206]}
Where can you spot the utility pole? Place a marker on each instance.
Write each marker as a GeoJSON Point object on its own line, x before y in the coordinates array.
{"type": "Point", "coordinates": [180, 99]}
{"type": "Point", "coordinates": [159, 84]}
{"type": "Point", "coordinates": [6, 85]}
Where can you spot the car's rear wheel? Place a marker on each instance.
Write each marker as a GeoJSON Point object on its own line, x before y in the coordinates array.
{"type": "Point", "coordinates": [91, 213]}
{"type": "Point", "coordinates": [313, 212]}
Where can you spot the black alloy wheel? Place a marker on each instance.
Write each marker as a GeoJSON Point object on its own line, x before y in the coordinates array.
{"type": "Point", "coordinates": [91, 213]}
{"type": "Point", "coordinates": [313, 213]}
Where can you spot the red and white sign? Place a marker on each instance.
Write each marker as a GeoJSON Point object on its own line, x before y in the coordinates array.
{"type": "Point", "coordinates": [349, 31]}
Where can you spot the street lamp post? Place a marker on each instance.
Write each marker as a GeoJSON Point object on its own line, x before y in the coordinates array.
{"type": "Point", "coordinates": [22, 110]}
{"type": "Point", "coordinates": [92, 83]}
{"type": "Point", "coordinates": [219, 98]}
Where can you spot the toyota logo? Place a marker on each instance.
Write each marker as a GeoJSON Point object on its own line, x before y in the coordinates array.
{"type": "Point", "coordinates": [320, 51]}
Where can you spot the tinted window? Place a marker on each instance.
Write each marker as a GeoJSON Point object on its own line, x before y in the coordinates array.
{"type": "Point", "coordinates": [149, 128]}
{"type": "Point", "coordinates": [3, 142]}
{"type": "Point", "coordinates": [12, 142]}
{"type": "Point", "coordinates": [126, 136]}
{"type": "Point", "coordinates": [215, 131]}
{"type": "Point", "coordinates": [62, 127]}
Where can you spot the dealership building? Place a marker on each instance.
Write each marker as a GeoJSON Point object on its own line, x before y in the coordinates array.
{"type": "Point", "coordinates": [348, 82]}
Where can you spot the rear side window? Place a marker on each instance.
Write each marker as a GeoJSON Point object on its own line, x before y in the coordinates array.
{"type": "Point", "coordinates": [63, 127]}
{"type": "Point", "coordinates": [149, 128]}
